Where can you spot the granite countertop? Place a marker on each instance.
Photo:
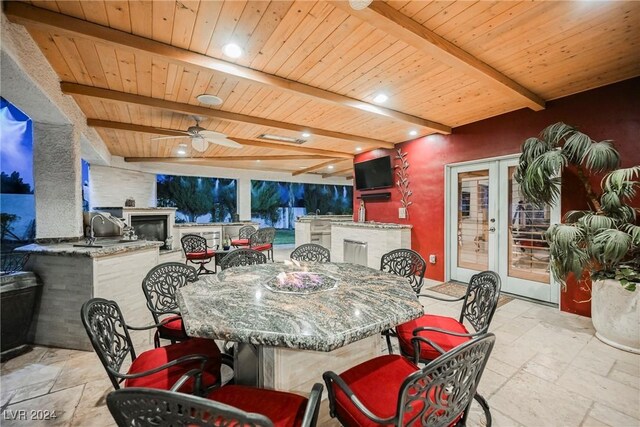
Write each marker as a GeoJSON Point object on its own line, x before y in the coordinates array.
{"type": "Point", "coordinates": [133, 208]}
{"type": "Point", "coordinates": [332, 218]}
{"type": "Point", "coordinates": [109, 247]}
{"type": "Point", "coordinates": [237, 305]}
{"type": "Point", "coordinates": [209, 224]}
{"type": "Point", "coordinates": [371, 224]}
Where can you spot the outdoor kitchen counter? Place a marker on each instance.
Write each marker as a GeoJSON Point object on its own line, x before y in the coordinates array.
{"type": "Point", "coordinates": [102, 248]}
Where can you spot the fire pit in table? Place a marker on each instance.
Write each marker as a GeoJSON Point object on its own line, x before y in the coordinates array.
{"type": "Point", "coordinates": [301, 282]}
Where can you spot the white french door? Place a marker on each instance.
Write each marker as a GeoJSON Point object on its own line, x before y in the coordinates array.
{"type": "Point", "coordinates": [491, 227]}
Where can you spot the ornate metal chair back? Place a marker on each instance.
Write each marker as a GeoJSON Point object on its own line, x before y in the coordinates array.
{"type": "Point", "coordinates": [440, 392]}
{"type": "Point", "coordinates": [192, 243]}
{"type": "Point", "coordinates": [311, 252]}
{"type": "Point", "coordinates": [262, 236]}
{"type": "Point", "coordinates": [142, 407]}
{"type": "Point", "coordinates": [405, 263]}
{"type": "Point", "coordinates": [246, 231]}
{"type": "Point", "coordinates": [160, 285]}
{"type": "Point", "coordinates": [242, 257]}
{"type": "Point", "coordinates": [481, 300]}
{"type": "Point", "coordinates": [104, 323]}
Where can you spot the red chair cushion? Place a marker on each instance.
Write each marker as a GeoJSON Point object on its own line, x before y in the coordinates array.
{"type": "Point", "coordinates": [377, 383]}
{"type": "Point", "coordinates": [240, 242]}
{"type": "Point", "coordinates": [264, 247]}
{"type": "Point", "coordinates": [446, 342]}
{"type": "Point", "coordinates": [173, 328]}
{"type": "Point", "coordinates": [167, 377]}
{"type": "Point", "coordinates": [200, 255]}
{"type": "Point", "coordinates": [283, 409]}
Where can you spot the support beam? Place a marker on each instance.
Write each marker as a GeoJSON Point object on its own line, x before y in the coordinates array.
{"type": "Point", "coordinates": [43, 19]}
{"type": "Point", "coordinates": [129, 98]}
{"type": "Point", "coordinates": [313, 168]}
{"type": "Point", "coordinates": [338, 172]}
{"type": "Point", "coordinates": [225, 158]}
{"type": "Point", "coordinates": [384, 17]}
{"type": "Point", "coordinates": [105, 124]}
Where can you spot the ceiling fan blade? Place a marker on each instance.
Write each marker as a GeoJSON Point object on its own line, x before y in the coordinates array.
{"type": "Point", "coordinates": [224, 142]}
{"type": "Point", "coordinates": [199, 144]}
{"type": "Point", "coordinates": [156, 138]}
{"type": "Point", "coordinates": [209, 134]}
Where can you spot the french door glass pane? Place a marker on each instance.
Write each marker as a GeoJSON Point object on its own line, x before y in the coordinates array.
{"type": "Point", "coordinates": [528, 250]}
{"type": "Point", "coordinates": [473, 221]}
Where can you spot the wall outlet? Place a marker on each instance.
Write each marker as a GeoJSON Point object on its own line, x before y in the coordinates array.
{"type": "Point", "coordinates": [432, 258]}
{"type": "Point", "coordinates": [402, 213]}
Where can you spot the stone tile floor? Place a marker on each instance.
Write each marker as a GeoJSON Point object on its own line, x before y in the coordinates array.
{"type": "Point", "coordinates": [547, 369]}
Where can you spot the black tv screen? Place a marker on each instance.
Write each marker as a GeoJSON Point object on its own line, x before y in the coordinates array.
{"type": "Point", "coordinates": [376, 173]}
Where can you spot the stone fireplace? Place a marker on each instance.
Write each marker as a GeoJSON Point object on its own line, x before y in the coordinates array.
{"type": "Point", "coordinates": [151, 227]}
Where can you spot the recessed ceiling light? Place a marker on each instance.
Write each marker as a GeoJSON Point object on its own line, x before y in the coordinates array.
{"type": "Point", "coordinates": [358, 148]}
{"type": "Point", "coordinates": [232, 50]}
{"type": "Point", "coordinates": [181, 152]}
{"type": "Point", "coordinates": [209, 99]}
{"type": "Point", "coordinates": [330, 166]}
{"type": "Point", "coordinates": [413, 132]}
{"type": "Point", "coordinates": [380, 98]}
{"type": "Point", "coordinates": [258, 161]}
{"type": "Point", "coordinates": [359, 4]}
{"type": "Point", "coordinates": [306, 134]}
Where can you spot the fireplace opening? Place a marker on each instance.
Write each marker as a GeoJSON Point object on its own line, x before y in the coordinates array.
{"type": "Point", "coordinates": [150, 227]}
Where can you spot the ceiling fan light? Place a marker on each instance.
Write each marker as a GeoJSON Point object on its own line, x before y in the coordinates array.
{"type": "Point", "coordinates": [359, 4]}
{"type": "Point", "coordinates": [199, 144]}
{"type": "Point", "coordinates": [232, 50]}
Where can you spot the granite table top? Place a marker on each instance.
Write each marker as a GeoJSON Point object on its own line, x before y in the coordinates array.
{"type": "Point", "coordinates": [104, 247]}
{"type": "Point", "coordinates": [345, 303]}
{"type": "Point", "coordinates": [371, 224]}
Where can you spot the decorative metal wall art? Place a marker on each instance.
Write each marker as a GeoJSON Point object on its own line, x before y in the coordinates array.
{"type": "Point", "coordinates": [403, 180]}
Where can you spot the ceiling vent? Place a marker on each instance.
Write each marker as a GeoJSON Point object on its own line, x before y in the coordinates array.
{"type": "Point", "coordinates": [281, 138]}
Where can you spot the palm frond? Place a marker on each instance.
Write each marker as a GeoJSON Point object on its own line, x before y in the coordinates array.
{"type": "Point", "coordinates": [600, 157]}
{"type": "Point", "coordinates": [565, 237]}
{"type": "Point", "coordinates": [534, 147]}
{"type": "Point", "coordinates": [633, 231]}
{"type": "Point", "coordinates": [611, 246]}
{"type": "Point", "coordinates": [573, 216]}
{"type": "Point", "coordinates": [541, 184]}
{"type": "Point", "coordinates": [594, 223]}
{"type": "Point", "coordinates": [556, 132]}
{"type": "Point", "coordinates": [622, 179]}
{"type": "Point", "coordinates": [576, 146]}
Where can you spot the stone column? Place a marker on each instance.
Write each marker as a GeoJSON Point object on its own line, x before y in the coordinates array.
{"type": "Point", "coordinates": [58, 181]}
{"type": "Point", "coordinates": [244, 198]}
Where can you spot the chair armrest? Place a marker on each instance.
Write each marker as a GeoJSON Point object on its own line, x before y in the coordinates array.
{"type": "Point", "coordinates": [154, 325]}
{"type": "Point", "coordinates": [416, 347]}
{"type": "Point", "coordinates": [333, 377]}
{"type": "Point", "coordinates": [184, 359]}
{"type": "Point", "coordinates": [440, 298]}
{"type": "Point", "coordinates": [444, 331]}
{"type": "Point", "coordinates": [313, 406]}
{"type": "Point", "coordinates": [193, 373]}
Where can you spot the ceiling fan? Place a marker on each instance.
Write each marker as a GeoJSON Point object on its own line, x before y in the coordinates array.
{"type": "Point", "coordinates": [201, 138]}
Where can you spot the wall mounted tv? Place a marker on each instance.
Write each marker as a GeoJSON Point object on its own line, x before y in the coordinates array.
{"type": "Point", "coordinates": [373, 174]}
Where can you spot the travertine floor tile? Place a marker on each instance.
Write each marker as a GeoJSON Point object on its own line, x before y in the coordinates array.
{"type": "Point", "coordinates": [63, 403]}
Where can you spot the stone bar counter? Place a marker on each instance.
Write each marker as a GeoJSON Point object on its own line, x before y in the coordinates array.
{"type": "Point", "coordinates": [293, 321]}
{"type": "Point", "coordinates": [214, 232]}
{"type": "Point", "coordinates": [317, 228]}
{"type": "Point", "coordinates": [71, 275]}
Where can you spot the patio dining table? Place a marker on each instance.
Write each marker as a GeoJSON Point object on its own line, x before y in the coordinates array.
{"type": "Point", "coordinates": [292, 321]}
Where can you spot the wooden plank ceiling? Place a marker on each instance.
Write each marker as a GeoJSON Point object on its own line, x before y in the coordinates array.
{"type": "Point", "coordinates": [316, 67]}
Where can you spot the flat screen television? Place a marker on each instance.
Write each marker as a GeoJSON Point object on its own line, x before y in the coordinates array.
{"type": "Point", "coordinates": [372, 174]}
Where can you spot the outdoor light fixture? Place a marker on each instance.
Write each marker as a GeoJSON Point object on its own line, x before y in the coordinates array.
{"type": "Point", "coordinates": [306, 134]}
{"type": "Point", "coordinates": [232, 50]}
{"type": "Point", "coordinates": [359, 4]}
{"type": "Point", "coordinates": [380, 98]}
{"type": "Point", "coordinates": [209, 99]}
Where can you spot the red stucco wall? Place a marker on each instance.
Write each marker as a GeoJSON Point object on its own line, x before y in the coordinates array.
{"type": "Point", "coordinates": [610, 112]}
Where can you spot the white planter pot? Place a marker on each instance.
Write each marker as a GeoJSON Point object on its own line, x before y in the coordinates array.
{"type": "Point", "coordinates": [615, 313]}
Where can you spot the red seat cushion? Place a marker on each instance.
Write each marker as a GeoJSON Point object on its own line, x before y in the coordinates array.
{"type": "Point", "coordinates": [445, 341]}
{"type": "Point", "coordinates": [173, 328]}
{"type": "Point", "coordinates": [377, 383]}
{"type": "Point", "coordinates": [283, 409]}
{"type": "Point", "coordinates": [240, 242]}
{"type": "Point", "coordinates": [200, 255]}
{"type": "Point", "coordinates": [167, 377]}
{"type": "Point", "coordinates": [263, 247]}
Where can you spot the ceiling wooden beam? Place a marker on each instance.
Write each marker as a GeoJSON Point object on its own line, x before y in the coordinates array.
{"type": "Point", "coordinates": [43, 19]}
{"type": "Point", "coordinates": [225, 158]}
{"type": "Point", "coordinates": [178, 107]}
{"type": "Point", "coordinates": [106, 124]}
{"type": "Point", "coordinates": [313, 168]}
{"type": "Point", "coordinates": [338, 172]}
{"type": "Point", "coordinates": [384, 17]}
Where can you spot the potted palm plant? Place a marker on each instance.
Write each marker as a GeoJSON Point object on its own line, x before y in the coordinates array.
{"type": "Point", "coordinates": [601, 244]}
